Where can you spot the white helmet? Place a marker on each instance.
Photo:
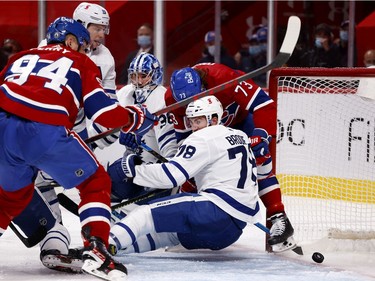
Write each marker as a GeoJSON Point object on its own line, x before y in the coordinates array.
{"type": "Point", "coordinates": [87, 13]}
{"type": "Point", "coordinates": [206, 106]}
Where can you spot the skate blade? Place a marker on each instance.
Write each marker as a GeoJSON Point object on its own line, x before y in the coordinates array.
{"type": "Point", "coordinates": [91, 267]}
{"type": "Point", "coordinates": [289, 244]}
{"type": "Point", "coordinates": [64, 265]}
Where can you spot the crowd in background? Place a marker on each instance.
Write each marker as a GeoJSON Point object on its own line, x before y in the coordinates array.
{"type": "Point", "coordinates": [326, 50]}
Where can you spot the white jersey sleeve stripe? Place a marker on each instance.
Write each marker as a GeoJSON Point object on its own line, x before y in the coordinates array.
{"type": "Point", "coordinates": [234, 203]}
{"type": "Point", "coordinates": [169, 175]}
{"type": "Point", "coordinates": [182, 170]}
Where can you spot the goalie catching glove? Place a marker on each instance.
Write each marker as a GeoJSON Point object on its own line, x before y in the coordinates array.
{"type": "Point", "coordinates": [259, 142]}
{"type": "Point", "coordinates": [142, 122]}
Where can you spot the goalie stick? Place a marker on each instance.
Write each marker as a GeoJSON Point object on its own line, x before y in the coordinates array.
{"type": "Point", "coordinates": [286, 50]}
{"type": "Point", "coordinates": [34, 239]}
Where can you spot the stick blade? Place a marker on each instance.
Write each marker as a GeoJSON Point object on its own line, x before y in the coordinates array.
{"type": "Point", "coordinates": [291, 36]}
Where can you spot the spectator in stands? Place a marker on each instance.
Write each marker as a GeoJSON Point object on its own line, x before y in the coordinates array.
{"type": "Point", "coordinates": [145, 37]}
{"type": "Point", "coordinates": [209, 52]}
{"type": "Point", "coordinates": [249, 49]}
{"type": "Point", "coordinates": [11, 46]}
{"type": "Point", "coordinates": [324, 53]}
{"type": "Point", "coordinates": [256, 56]}
{"type": "Point", "coordinates": [369, 58]}
{"type": "Point", "coordinates": [342, 43]}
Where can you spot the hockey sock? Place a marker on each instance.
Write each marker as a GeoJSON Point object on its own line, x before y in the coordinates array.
{"type": "Point", "coordinates": [12, 203]}
{"type": "Point", "coordinates": [272, 202]}
{"type": "Point", "coordinates": [94, 208]}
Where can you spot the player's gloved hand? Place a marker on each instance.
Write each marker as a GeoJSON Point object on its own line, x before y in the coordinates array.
{"type": "Point", "coordinates": [142, 122]}
{"type": "Point", "coordinates": [130, 140]}
{"type": "Point", "coordinates": [128, 164]}
{"type": "Point", "coordinates": [259, 142]}
{"type": "Point", "coordinates": [115, 171]}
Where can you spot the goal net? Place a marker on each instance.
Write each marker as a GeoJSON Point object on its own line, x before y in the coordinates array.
{"type": "Point", "coordinates": [325, 151]}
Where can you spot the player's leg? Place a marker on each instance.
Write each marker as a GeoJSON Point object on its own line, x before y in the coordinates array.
{"type": "Point", "coordinates": [54, 248]}
{"type": "Point", "coordinates": [93, 183]}
{"type": "Point", "coordinates": [16, 180]}
{"type": "Point", "coordinates": [270, 194]}
{"type": "Point", "coordinates": [151, 242]}
{"type": "Point", "coordinates": [198, 222]}
{"type": "Point", "coordinates": [12, 202]}
{"type": "Point", "coordinates": [46, 184]}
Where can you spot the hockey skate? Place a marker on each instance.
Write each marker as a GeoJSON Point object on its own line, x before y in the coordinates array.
{"type": "Point", "coordinates": [281, 233]}
{"type": "Point", "coordinates": [98, 262]}
{"type": "Point", "coordinates": [71, 263]}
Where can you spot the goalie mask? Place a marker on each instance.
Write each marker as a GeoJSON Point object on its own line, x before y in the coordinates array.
{"type": "Point", "coordinates": [87, 13]}
{"type": "Point", "coordinates": [208, 106]}
{"type": "Point", "coordinates": [185, 83]}
{"type": "Point", "coordinates": [145, 73]}
{"type": "Point", "coordinates": [62, 26]}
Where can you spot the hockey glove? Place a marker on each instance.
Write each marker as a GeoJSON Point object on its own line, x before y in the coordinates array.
{"type": "Point", "coordinates": [259, 142]}
{"type": "Point", "coordinates": [142, 122]}
{"type": "Point", "coordinates": [115, 171]}
{"type": "Point", "coordinates": [128, 164]}
{"type": "Point", "coordinates": [130, 140]}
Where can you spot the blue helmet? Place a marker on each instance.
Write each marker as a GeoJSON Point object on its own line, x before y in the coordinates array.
{"type": "Point", "coordinates": [145, 72]}
{"type": "Point", "coordinates": [185, 83]}
{"type": "Point", "coordinates": [62, 26]}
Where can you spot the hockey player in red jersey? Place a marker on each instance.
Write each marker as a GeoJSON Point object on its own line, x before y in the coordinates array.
{"type": "Point", "coordinates": [41, 92]}
{"type": "Point", "coordinates": [246, 107]}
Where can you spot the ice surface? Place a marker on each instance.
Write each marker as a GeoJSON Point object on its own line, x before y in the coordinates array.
{"type": "Point", "coordinates": [244, 260]}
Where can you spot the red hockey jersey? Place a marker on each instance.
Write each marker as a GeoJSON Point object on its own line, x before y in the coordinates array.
{"type": "Point", "coordinates": [49, 84]}
{"type": "Point", "coordinates": [238, 101]}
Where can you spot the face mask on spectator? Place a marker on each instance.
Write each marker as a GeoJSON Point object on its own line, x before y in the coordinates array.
{"type": "Point", "coordinates": [254, 50]}
{"type": "Point", "coordinates": [211, 50]}
{"type": "Point", "coordinates": [318, 42]}
{"type": "Point", "coordinates": [343, 35]}
{"type": "Point", "coordinates": [144, 40]}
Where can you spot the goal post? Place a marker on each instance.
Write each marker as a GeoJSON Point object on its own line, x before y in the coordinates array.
{"type": "Point", "coordinates": [325, 150]}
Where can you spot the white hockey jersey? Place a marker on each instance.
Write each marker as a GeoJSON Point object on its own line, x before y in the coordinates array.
{"type": "Point", "coordinates": [161, 138]}
{"type": "Point", "coordinates": [103, 58]}
{"type": "Point", "coordinates": [222, 165]}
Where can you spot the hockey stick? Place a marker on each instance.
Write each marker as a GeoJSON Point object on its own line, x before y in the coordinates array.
{"type": "Point", "coordinates": [72, 206]}
{"type": "Point", "coordinates": [286, 50]}
{"type": "Point", "coordinates": [33, 239]}
{"type": "Point", "coordinates": [68, 203]}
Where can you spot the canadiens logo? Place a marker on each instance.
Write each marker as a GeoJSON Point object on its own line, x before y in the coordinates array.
{"type": "Point", "coordinates": [229, 114]}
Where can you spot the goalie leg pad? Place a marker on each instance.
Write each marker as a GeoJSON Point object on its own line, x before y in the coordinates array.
{"type": "Point", "coordinates": [36, 214]}
{"type": "Point", "coordinates": [57, 238]}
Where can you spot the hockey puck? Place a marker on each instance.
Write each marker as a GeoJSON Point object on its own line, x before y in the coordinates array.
{"type": "Point", "coordinates": [318, 257]}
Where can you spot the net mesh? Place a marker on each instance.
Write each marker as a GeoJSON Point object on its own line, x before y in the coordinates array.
{"type": "Point", "coordinates": [325, 153]}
